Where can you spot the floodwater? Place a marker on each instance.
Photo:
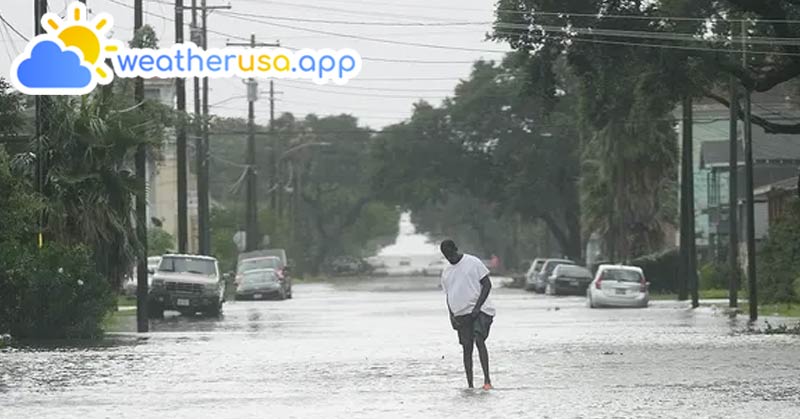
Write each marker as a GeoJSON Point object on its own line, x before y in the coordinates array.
{"type": "Point", "coordinates": [384, 349]}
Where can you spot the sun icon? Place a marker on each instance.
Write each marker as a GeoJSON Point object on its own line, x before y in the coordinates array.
{"type": "Point", "coordinates": [87, 37]}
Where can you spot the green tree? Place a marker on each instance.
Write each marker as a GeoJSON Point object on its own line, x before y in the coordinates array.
{"type": "Point", "coordinates": [779, 259]}
{"type": "Point", "coordinates": [88, 182]}
{"type": "Point", "coordinates": [159, 242]}
{"type": "Point", "coordinates": [504, 138]}
{"type": "Point", "coordinates": [625, 96]}
{"type": "Point", "coordinates": [317, 169]}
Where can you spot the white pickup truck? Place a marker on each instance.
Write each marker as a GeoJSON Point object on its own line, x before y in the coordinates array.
{"type": "Point", "coordinates": [188, 284]}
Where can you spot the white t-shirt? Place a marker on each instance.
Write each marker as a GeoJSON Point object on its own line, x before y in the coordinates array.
{"type": "Point", "coordinates": [462, 284]}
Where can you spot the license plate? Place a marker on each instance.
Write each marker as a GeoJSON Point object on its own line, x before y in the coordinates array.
{"type": "Point", "coordinates": [183, 302]}
{"type": "Point", "coordinates": [256, 295]}
{"type": "Point", "coordinates": [620, 292]}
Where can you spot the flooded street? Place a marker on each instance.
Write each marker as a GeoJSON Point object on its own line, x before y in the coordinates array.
{"type": "Point", "coordinates": [384, 348]}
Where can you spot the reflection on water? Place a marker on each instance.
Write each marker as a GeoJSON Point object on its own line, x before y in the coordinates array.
{"type": "Point", "coordinates": [411, 251]}
{"type": "Point", "coordinates": [361, 353]}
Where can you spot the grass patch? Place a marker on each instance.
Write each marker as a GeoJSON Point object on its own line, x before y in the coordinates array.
{"type": "Point", "coordinates": [713, 294]}
{"type": "Point", "coordinates": [781, 310]}
{"type": "Point", "coordinates": [119, 321]}
{"type": "Point", "coordinates": [125, 301]}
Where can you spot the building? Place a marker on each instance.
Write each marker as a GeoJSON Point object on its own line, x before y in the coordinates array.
{"type": "Point", "coordinates": [776, 158]}
{"type": "Point", "coordinates": [162, 175]}
{"type": "Point", "coordinates": [777, 196]}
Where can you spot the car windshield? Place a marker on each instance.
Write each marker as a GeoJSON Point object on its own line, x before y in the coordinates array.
{"type": "Point", "coordinates": [260, 263]}
{"type": "Point", "coordinates": [622, 275]}
{"type": "Point", "coordinates": [259, 277]}
{"type": "Point", "coordinates": [551, 266]}
{"type": "Point", "coordinates": [188, 265]}
{"type": "Point", "coordinates": [574, 271]}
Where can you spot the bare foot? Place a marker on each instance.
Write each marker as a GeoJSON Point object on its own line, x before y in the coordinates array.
{"type": "Point", "coordinates": [487, 386]}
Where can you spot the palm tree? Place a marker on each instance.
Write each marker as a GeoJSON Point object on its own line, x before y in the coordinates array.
{"type": "Point", "coordinates": [89, 186]}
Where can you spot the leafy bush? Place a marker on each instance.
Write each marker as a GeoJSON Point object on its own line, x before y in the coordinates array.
{"type": "Point", "coordinates": [717, 276]}
{"type": "Point", "coordinates": [53, 292]}
{"type": "Point", "coordinates": [660, 269]}
{"type": "Point", "coordinates": [779, 259]}
{"type": "Point", "coordinates": [159, 242]}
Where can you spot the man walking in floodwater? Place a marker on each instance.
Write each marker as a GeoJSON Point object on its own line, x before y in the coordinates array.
{"type": "Point", "coordinates": [466, 283]}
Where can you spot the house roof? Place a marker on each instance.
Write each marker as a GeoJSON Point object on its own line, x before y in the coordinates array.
{"type": "Point", "coordinates": [766, 148]}
{"type": "Point", "coordinates": [789, 184]}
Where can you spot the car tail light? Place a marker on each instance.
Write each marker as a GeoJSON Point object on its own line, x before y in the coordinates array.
{"type": "Point", "coordinates": [599, 282]}
{"type": "Point", "coordinates": [643, 285]}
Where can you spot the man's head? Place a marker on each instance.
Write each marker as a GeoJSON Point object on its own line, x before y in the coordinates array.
{"type": "Point", "coordinates": [450, 251]}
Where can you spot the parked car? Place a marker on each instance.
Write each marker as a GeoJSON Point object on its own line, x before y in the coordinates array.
{"type": "Point", "coordinates": [568, 279]}
{"type": "Point", "coordinates": [540, 279]}
{"type": "Point", "coordinates": [130, 285]}
{"type": "Point", "coordinates": [530, 275]}
{"type": "Point", "coordinates": [263, 262]}
{"type": "Point", "coordinates": [435, 268]}
{"type": "Point", "coordinates": [187, 283]}
{"type": "Point", "coordinates": [347, 265]}
{"type": "Point", "coordinates": [263, 283]}
{"type": "Point", "coordinates": [618, 286]}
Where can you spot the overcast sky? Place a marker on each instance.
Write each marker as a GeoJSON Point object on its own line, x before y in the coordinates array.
{"type": "Point", "coordinates": [375, 102]}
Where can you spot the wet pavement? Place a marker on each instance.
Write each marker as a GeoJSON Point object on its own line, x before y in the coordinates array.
{"type": "Point", "coordinates": [384, 349]}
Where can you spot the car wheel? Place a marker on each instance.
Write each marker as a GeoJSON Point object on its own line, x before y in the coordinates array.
{"type": "Point", "coordinates": [289, 294]}
{"type": "Point", "coordinates": [213, 311]}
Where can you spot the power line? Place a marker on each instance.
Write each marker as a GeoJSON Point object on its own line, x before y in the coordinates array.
{"type": "Point", "coordinates": [680, 47]}
{"type": "Point", "coordinates": [670, 36]}
{"type": "Point", "coordinates": [316, 90]}
{"type": "Point", "coordinates": [10, 26]}
{"type": "Point", "coordinates": [565, 14]}
{"type": "Point", "coordinates": [367, 38]}
{"type": "Point", "coordinates": [378, 89]}
{"type": "Point", "coordinates": [169, 19]}
{"type": "Point", "coordinates": [361, 23]}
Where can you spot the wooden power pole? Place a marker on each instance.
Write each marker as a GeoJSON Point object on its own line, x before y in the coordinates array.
{"type": "Point", "coordinates": [251, 210]}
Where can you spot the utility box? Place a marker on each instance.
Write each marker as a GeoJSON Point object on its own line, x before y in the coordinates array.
{"type": "Point", "coordinates": [252, 90]}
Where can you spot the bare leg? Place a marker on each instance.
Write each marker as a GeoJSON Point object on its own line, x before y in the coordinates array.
{"type": "Point", "coordinates": [483, 354]}
{"type": "Point", "coordinates": [468, 363]}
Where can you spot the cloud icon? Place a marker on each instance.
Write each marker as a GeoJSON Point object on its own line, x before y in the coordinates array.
{"type": "Point", "coordinates": [52, 68]}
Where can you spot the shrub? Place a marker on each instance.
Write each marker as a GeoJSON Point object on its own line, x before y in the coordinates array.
{"type": "Point", "coordinates": [779, 259]}
{"type": "Point", "coordinates": [53, 292]}
{"type": "Point", "coordinates": [660, 269]}
{"type": "Point", "coordinates": [717, 276]}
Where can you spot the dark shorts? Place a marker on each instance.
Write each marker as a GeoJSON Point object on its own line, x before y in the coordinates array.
{"type": "Point", "coordinates": [468, 328]}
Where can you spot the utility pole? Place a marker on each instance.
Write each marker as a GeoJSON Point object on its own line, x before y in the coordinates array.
{"type": "Point", "coordinates": [733, 198]}
{"type": "Point", "coordinates": [200, 38]}
{"type": "Point", "coordinates": [142, 324]}
{"type": "Point", "coordinates": [180, 139]}
{"type": "Point", "coordinates": [198, 141]}
{"type": "Point", "coordinates": [750, 205]}
{"type": "Point", "coordinates": [688, 246]}
{"type": "Point", "coordinates": [39, 9]}
{"type": "Point", "coordinates": [251, 211]}
{"type": "Point", "coordinates": [274, 163]}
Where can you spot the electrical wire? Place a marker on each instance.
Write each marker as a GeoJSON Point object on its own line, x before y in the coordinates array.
{"type": "Point", "coordinates": [10, 26]}
{"type": "Point", "coordinates": [380, 89]}
{"type": "Point", "coordinates": [365, 38]}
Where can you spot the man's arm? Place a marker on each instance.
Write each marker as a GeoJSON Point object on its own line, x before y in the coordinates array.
{"type": "Point", "coordinates": [486, 286]}
{"type": "Point", "coordinates": [453, 321]}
